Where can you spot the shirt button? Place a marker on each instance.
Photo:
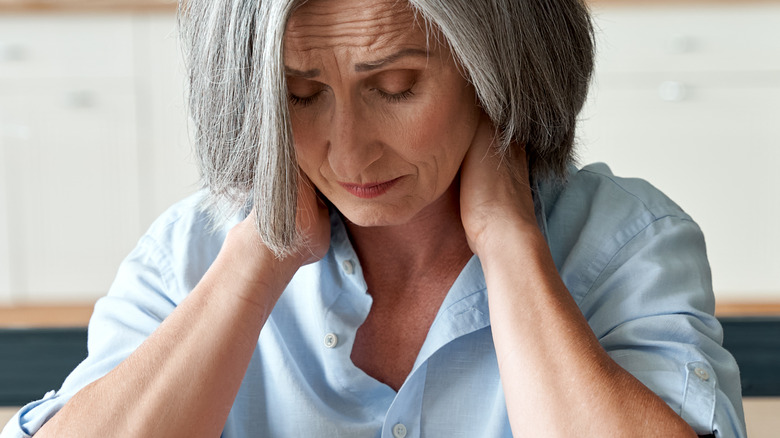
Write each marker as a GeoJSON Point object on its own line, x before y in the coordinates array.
{"type": "Point", "coordinates": [702, 373]}
{"type": "Point", "coordinates": [399, 431]}
{"type": "Point", "coordinates": [331, 340]}
{"type": "Point", "coordinates": [348, 266]}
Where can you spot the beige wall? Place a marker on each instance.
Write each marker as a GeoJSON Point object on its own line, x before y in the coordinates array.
{"type": "Point", "coordinates": [763, 417]}
{"type": "Point", "coordinates": [5, 415]}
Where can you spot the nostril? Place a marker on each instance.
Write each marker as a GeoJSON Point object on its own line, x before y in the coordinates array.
{"type": "Point", "coordinates": [349, 159]}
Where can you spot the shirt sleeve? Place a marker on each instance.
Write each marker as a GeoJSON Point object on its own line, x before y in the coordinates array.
{"type": "Point", "coordinates": [652, 309]}
{"type": "Point", "coordinates": [136, 304]}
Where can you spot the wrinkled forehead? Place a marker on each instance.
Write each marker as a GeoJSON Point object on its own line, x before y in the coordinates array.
{"type": "Point", "coordinates": [366, 25]}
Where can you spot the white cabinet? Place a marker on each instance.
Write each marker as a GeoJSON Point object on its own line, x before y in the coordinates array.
{"type": "Point", "coordinates": [680, 37]}
{"type": "Point", "coordinates": [165, 152]}
{"type": "Point", "coordinates": [689, 99]}
{"type": "Point", "coordinates": [81, 175]}
{"type": "Point", "coordinates": [5, 250]}
{"type": "Point", "coordinates": [72, 187]}
{"type": "Point", "coordinates": [94, 143]}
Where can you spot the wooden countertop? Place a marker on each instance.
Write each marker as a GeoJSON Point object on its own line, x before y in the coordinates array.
{"type": "Point", "coordinates": [45, 316]}
{"type": "Point", "coordinates": [729, 309]}
{"type": "Point", "coordinates": [170, 5]}
{"type": "Point", "coordinates": [78, 316]}
{"type": "Point", "coordinates": [87, 5]}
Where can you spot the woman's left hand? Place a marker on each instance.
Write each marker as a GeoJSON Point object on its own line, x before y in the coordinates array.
{"type": "Point", "coordinates": [550, 362]}
{"type": "Point", "coordinates": [495, 191]}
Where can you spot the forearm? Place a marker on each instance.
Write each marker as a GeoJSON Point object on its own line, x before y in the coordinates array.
{"type": "Point", "coordinates": [182, 380]}
{"type": "Point", "coordinates": [557, 379]}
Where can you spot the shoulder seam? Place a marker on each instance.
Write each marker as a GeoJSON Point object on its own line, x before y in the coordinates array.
{"type": "Point", "coordinates": [611, 179]}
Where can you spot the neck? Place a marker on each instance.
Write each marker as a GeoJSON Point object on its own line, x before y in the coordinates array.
{"type": "Point", "coordinates": [432, 243]}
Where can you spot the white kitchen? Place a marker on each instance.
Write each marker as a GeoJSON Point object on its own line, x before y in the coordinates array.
{"type": "Point", "coordinates": [95, 144]}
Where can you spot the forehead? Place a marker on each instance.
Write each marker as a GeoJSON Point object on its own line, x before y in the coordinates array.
{"type": "Point", "coordinates": [352, 24]}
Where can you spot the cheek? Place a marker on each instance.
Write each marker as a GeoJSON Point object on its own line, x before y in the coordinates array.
{"type": "Point", "coordinates": [307, 146]}
{"type": "Point", "coordinates": [441, 133]}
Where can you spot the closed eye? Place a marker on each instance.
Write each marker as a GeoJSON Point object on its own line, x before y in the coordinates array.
{"type": "Point", "coordinates": [303, 102]}
{"type": "Point", "coordinates": [396, 97]}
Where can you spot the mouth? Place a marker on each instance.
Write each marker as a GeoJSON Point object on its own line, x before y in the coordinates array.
{"type": "Point", "coordinates": [371, 190]}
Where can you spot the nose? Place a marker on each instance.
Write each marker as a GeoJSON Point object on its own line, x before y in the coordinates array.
{"type": "Point", "coordinates": [352, 145]}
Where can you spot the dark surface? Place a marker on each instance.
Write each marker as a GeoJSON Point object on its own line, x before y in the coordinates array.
{"type": "Point", "coordinates": [755, 343]}
{"type": "Point", "coordinates": [35, 361]}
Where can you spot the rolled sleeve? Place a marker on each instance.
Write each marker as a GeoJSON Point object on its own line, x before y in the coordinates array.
{"type": "Point", "coordinates": [169, 260]}
{"type": "Point", "coordinates": [134, 307]}
{"type": "Point", "coordinates": [24, 424]}
{"type": "Point", "coordinates": [652, 309]}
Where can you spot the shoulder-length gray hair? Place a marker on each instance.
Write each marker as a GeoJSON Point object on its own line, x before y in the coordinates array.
{"type": "Point", "coordinates": [530, 62]}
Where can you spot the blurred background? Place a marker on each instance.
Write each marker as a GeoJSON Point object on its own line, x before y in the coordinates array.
{"type": "Point", "coordinates": [94, 141]}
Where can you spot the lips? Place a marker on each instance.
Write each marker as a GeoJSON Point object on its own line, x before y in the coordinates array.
{"type": "Point", "coordinates": [371, 190]}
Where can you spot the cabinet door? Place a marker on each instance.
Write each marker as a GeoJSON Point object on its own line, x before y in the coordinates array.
{"type": "Point", "coordinates": [71, 186]}
{"type": "Point", "coordinates": [164, 151]}
{"type": "Point", "coordinates": [55, 46]}
{"type": "Point", "coordinates": [5, 255]}
{"type": "Point", "coordinates": [683, 37]}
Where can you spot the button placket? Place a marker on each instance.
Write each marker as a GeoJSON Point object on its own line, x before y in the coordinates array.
{"type": "Point", "coordinates": [403, 417]}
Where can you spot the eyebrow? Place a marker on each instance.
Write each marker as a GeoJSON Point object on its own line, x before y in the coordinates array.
{"type": "Point", "coordinates": [305, 74]}
{"type": "Point", "coordinates": [363, 66]}
{"type": "Point", "coordinates": [373, 65]}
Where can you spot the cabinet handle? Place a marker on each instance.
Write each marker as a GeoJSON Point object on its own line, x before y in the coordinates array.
{"type": "Point", "coordinates": [680, 44]}
{"type": "Point", "coordinates": [80, 99]}
{"type": "Point", "coordinates": [672, 91]}
{"type": "Point", "coordinates": [11, 52]}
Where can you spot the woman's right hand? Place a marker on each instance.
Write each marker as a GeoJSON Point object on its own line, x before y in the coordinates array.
{"type": "Point", "coordinates": [245, 254]}
{"type": "Point", "coordinates": [313, 222]}
{"type": "Point", "coordinates": [209, 338]}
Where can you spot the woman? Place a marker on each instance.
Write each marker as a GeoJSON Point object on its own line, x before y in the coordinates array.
{"type": "Point", "coordinates": [420, 259]}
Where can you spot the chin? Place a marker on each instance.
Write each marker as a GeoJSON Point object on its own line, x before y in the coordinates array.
{"type": "Point", "coordinates": [376, 216]}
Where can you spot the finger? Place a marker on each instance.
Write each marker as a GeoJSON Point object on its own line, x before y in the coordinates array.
{"type": "Point", "coordinates": [483, 150]}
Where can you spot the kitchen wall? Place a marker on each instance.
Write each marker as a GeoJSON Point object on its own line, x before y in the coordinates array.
{"type": "Point", "coordinates": [93, 146]}
{"type": "Point", "coordinates": [94, 142]}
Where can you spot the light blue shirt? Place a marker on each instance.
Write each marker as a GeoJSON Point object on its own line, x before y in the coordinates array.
{"type": "Point", "coordinates": [633, 260]}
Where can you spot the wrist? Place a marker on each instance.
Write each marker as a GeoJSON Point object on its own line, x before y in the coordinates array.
{"type": "Point", "coordinates": [251, 270]}
{"type": "Point", "coordinates": [505, 236]}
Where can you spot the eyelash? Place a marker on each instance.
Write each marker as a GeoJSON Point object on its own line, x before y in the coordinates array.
{"type": "Point", "coordinates": [303, 102]}
{"type": "Point", "coordinates": [397, 97]}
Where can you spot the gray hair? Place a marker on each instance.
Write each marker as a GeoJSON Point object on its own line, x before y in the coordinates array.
{"type": "Point", "coordinates": [530, 62]}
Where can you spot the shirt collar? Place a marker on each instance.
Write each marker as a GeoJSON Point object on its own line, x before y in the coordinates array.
{"type": "Point", "coordinates": [343, 252]}
{"type": "Point", "coordinates": [465, 308]}
{"type": "Point", "coordinates": [545, 193]}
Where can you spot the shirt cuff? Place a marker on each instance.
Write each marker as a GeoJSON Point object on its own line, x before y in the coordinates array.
{"type": "Point", "coordinates": [33, 416]}
{"type": "Point", "coordinates": [698, 406]}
